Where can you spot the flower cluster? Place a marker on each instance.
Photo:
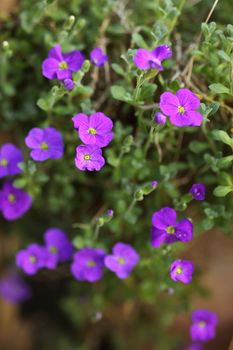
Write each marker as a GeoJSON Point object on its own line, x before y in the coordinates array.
{"type": "Point", "coordinates": [10, 158]}
{"type": "Point", "coordinates": [203, 326]}
{"type": "Point", "coordinates": [88, 263]}
{"type": "Point", "coordinates": [198, 191]}
{"type": "Point", "coordinates": [98, 57]}
{"type": "Point", "coordinates": [14, 202]}
{"type": "Point", "coordinates": [181, 271]}
{"type": "Point", "coordinates": [95, 131]}
{"type": "Point", "coordinates": [45, 144]}
{"type": "Point", "coordinates": [14, 289]}
{"type": "Point", "coordinates": [166, 229]}
{"type": "Point", "coordinates": [61, 66]}
{"type": "Point", "coordinates": [181, 108]}
{"type": "Point", "coordinates": [57, 249]}
{"type": "Point", "coordinates": [145, 59]}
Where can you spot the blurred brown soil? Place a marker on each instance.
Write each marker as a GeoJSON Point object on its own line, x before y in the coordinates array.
{"type": "Point", "coordinates": [7, 7]}
{"type": "Point", "coordinates": [212, 253]}
{"type": "Point", "coordinates": [14, 333]}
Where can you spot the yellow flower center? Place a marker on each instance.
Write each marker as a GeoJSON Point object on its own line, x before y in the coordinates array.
{"type": "Point", "coordinates": [179, 270]}
{"type": "Point", "coordinates": [53, 249]}
{"type": "Point", "coordinates": [121, 261]}
{"type": "Point", "coordinates": [92, 131]}
{"type": "Point", "coordinates": [11, 198]}
{"type": "Point", "coordinates": [3, 162]}
{"type": "Point", "coordinates": [44, 146]}
{"type": "Point", "coordinates": [32, 259]}
{"type": "Point", "coordinates": [91, 263]}
{"type": "Point", "coordinates": [87, 157]}
{"type": "Point", "coordinates": [63, 65]}
{"type": "Point", "coordinates": [202, 324]}
{"type": "Point", "coordinates": [181, 109]}
{"type": "Point", "coordinates": [170, 229]}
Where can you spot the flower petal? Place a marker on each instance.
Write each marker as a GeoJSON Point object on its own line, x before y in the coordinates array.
{"type": "Point", "coordinates": [184, 230]}
{"type": "Point", "coordinates": [81, 120]}
{"type": "Point", "coordinates": [64, 74]}
{"type": "Point", "coordinates": [50, 68]}
{"type": "Point", "coordinates": [162, 52]}
{"type": "Point", "coordinates": [74, 59]}
{"type": "Point", "coordinates": [157, 237]}
{"type": "Point", "coordinates": [188, 99]}
{"type": "Point", "coordinates": [56, 53]}
{"type": "Point", "coordinates": [142, 58]}
{"type": "Point", "coordinates": [169, 103]}
{"type": "Point", "coordinates": [163, 218]}
{"type": "Point", "coordinates": [195, 118]}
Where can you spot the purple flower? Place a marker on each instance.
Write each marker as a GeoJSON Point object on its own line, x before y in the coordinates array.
{"type": "Point", "coordinates": [45, 143]}
{"type": "Point", "coordinates": [94, 130]}
{"type": "Point", "coordinates": [110, 212]}
{"type": "Point", "coordinates": [154, 184]}
{"type": "Point", "coordinates": [203, 326]}
{"type": "Point", "coordinates": [165, 228]}
{"type": "Point", "coordinates": [98, 57]}
{"type": "Point", "coordinates": [195, 346]}
{"type": "Point", "coordinates": [145, 59]}
{"type": "Point", "coordinates": [31, 259]}
{"type": "Point", "coordinates": [89, 158]}
{"type": "Point", "coordinates": [160, 118]}
{"type": "Point", "coordinates": [123, 260]}
{"type": "Point", "coordinates": [10, 157]}
{"type": "Point", "coordinates": [61, 65]}
{"type": "Point", "coordinates": [181, 108]}
{"type": "Point", "coordinates": [58, 246]}
{"type": "Point", "coordinates": [88, 264]}
{"type": "Point", "coordinates": [14, 289]}
{"type": "Point", "coordinates": [181, 271]}
{"type": "Point", "coordinates": [69, 84]}
{"type": "Point", "coordinates": [198, 191]}
{"type": "Point", "coordinates": [14, 202]}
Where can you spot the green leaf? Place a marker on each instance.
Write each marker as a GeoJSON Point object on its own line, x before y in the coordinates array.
{"type": "Point", "coordinates": [119, 93]}
{"type": "Point", "coordinates": [222, 191]}
{"type": "Point", "coordinates": [224, 55]}
{"type": "Point", "coordinates": [20, 183]}
{"type": "Point", "coordinates": [222, 136]}
{"type": "Point", "coordinates": [139, 41]}
{"type": "Point", "coordinates": [212, 108]}
{"type": "Point", "coordinates": [147, 91]}
{"type": "Point", "coordinates": [117, 68]}
{"type": "Point", "coordinates": [225, 162]}
{"type": "Point", "coordinates": [43, 104]}
{"type": "Point", "coordinates": [198, 147]}
{"type": "Point", "coordinates": [205, 29]}
{"type": "Point", "coordinates": [219, 88]}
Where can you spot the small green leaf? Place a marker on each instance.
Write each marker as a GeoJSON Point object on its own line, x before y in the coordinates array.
{"type": "Point", "coordinates": [222, 191]}
{"type": "Point", "coordinates": [225, 162]}
{"type": "Point", "coordinates": [119, 93]}
{"type": "Point", "coordinates": [139, 41]}
{"type": "Point", "coordinates": [20, 183]}
{"type": "Point", "coordinates": [224, 55]}
{"type": "Point", "coordinates": [43, 104]}
{"type": "Point", "coordinates": [219, 88]}
{"type": "Point", "coordinates": [147, 91]}
{"type": "Point", "coordinates": [222, 136]}
{"type": "Point", "coordinates": [117, 68]}
{"type": "Point", "coordinates": [205, 29]}
{"type": "Point", "coordinates": [198, 147]}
